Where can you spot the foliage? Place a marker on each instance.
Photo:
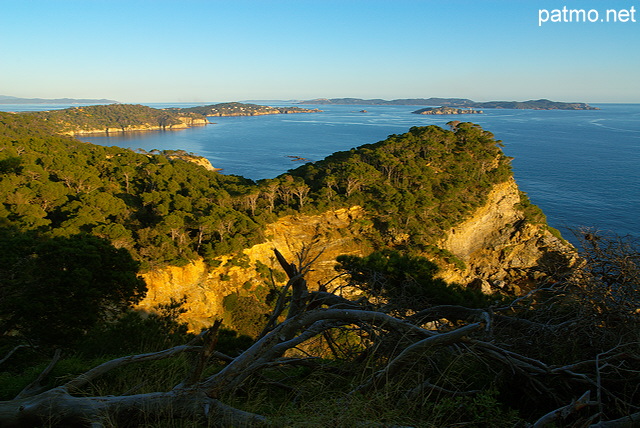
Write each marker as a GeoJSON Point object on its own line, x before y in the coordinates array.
{"type": "Point", "coordinates": [118, 116]}
{"type": "Point", "coordinates": [532, 213]}
{"type": "Point", "coordinates": [415, 185]}
{"type": "Point", "coordinates": [406, 281]}
{"type": "Point", "coordinates": [165, 210]}
{"type": "Point", "coordinates": [161, 210]}
{"type": "Point", "coordinates": [443, 365]}
{"type": "Point", "coordinates": [55, 290]}
{"type": "Point", "coordinates": [240, 109]}
{"type": "Point", "coordinates": [137, 332]}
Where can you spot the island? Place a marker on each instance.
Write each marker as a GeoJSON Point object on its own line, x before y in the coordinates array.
{"type": "Point", "coordinates": [119, 118]}
{"type": "Point", "coordinates": [446, 110]}
{"type": "Point", "coordinates": [6, 99]}
{"type": "Point", "coordinates": [243, 109]}
{"type": "Point", "coordinates": [541, 104]}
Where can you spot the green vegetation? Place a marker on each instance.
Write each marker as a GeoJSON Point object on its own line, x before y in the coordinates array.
{"type": "Point", "coordinates": [161, 210]}
{"type": "Point", "coordinates": [567, 354]}
{"type": "Point", "coordinates": [113, 116]}
{"type": "Point", "coordinates": [241, 109]}
{"type": "Point", "coordinates": [165, 210]}
{"type": "Point", "coordinates": [415, 185]}
{"type": "Point", "coordinates": [55, 290]}
{"type": "Point", "coordinates": [406, 282]}
{"type": "Point", "coordinates": [77, 221]}
{"type": "Point", "coordinates": [458, 102]}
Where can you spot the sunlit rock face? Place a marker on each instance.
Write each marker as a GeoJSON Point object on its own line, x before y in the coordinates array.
{"type": "Point", "coordinates": [498, 244]}
{"type": "Point", "coordinates": [500, 250]}
{"type": "Point", "coordinates": [323, 237]}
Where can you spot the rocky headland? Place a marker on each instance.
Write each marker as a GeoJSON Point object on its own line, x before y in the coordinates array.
{"type": "Point", "coordinates": [183, 123]}
{"type": "Point", "coordinates": [244, 109]}
{"type": "Point", "coordinates": [117, 118]}
{"type": "Point", "coordinates": [501, 252]}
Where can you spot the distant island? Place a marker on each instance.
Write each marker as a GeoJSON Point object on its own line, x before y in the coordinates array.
{"type": "Point", "coordinates": [119, 118]}
{"type": "Point", "coordinates": [446, 110]}
{"type": "Point", "coordinates": [242, 109]}
{"type": "Point", "coordinates": [542, 104]}
{"type": "Point", "coordinates": [6, 99]}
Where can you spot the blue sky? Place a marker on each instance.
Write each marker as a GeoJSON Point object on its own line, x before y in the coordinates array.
{"type": "Point", "coordinates": [213, 51]}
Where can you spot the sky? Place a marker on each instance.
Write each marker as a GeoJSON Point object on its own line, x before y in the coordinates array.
{"type": "Point", "coordinates": [215, 51]}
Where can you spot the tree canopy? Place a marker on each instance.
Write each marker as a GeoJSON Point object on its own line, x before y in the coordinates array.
{"type": "Point", "coordinates": [56, 289]}
{"type": "Point", "coordinates": [166, 210]}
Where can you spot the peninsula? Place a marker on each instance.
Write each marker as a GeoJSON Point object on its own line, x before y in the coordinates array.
{"type": "Point", "coordinates": [243, 109]}
{"type": "Point", "coordinates": [446, 110]}
{"type": "Point", "coordinates": [542, 104]}
{"type": "Point", "coordinates": [118, 118]}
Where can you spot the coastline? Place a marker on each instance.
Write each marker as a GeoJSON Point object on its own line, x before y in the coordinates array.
{"type": "Point", "coordinates": [129, 129]}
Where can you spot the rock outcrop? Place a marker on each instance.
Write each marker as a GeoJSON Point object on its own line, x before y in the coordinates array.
{"type": "Point", "coordinates": [198, 160]}
{"type": "Point", "coordinates": [499, 248]}
{"type": "Point", "coordinates": [205, 287]}
{"type": "Point", "coordinates": [185, 122]}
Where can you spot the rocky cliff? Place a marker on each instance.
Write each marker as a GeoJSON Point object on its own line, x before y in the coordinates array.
{"type": "Point", "coordinates": [185, 122]}
{"type": "Point", "coordinates": [499, 247]}
{"type": "Point", "coordinates": [205, 287]}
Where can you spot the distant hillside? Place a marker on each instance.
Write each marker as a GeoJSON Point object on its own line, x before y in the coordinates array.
{"type": "Point", "coordinates": [243, 109]}
{"type": "Point", "coordinates": [541, 104]}
{"type": "Point", "coordinates": [117, 118]}
{"type": "Point", "coordinates": [6, 99]}
{"type": "Point", "coordinates": [535, 105]}
{"type": "Point", "coordinates": [453, 102]}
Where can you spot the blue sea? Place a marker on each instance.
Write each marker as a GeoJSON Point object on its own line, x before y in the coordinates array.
{"type": "Point", "coordinates": [581, 167]}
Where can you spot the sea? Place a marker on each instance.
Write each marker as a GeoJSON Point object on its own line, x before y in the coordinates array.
{"type": "Point", "coordinates": [582, 167]}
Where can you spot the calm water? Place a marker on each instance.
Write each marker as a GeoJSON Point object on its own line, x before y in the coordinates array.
{"type": "Point", "coordinates": [580, 167]}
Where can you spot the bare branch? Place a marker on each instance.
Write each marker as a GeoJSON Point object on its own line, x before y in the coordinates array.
{"type": "Point", "coordinates": [35, 387]}
{"type": "Point", "coordinates": [411, 351]}
{"type": "Point", "coordinates": [103, 368]}
{"type": "Point", "coordinates": [13, 351]}
{"type": "Point", "coordinates": [629, 421]}
{"type": "Point", "coordinates": [427, 386]}
{"type": "Point", "coordinates": [564, 412]}
{"type": "Point", "coordinates": [210, 340]}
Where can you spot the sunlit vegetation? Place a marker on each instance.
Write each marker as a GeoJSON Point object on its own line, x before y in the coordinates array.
{"type": "Point", "coordinates": [163, 209]}
{"type": "Point", "coordinates": [112, 116]}
{"type": "Point", "coordinates": [79, 221]}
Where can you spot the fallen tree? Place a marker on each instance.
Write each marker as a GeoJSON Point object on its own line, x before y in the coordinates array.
{"type": "Point", "coordinates": [408, 356]}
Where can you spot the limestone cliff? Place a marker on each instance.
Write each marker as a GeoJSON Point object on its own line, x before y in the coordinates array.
{"type": "Point", "coordinates": [185, 122]}
{"type": "Point", "coordinates": [205, 287]}
{"type": "Point", "coordinates": [500, 249]}
{"type": "Point", "coordinates": [198, 160]}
